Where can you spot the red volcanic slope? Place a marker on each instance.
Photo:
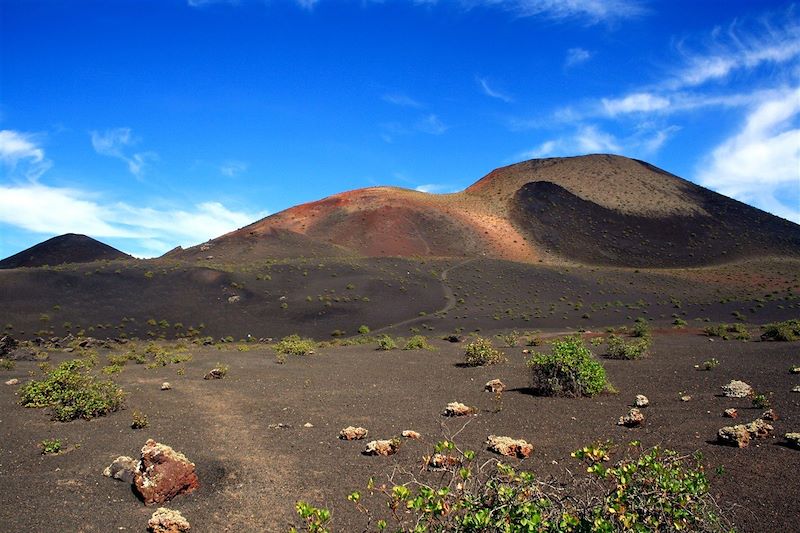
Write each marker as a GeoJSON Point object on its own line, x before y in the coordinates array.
{"type": "Point", "coordinates": [599, 209]}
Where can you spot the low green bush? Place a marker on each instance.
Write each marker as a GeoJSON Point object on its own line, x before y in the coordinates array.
{"type": "Point", "coordinates": [788, 330]}
{"type": "Point", "coordinates": [295, 345]}
{"type": "Point", "coordinates": [481, 352]}
{"type": "Point", "coordinates": [737, 331]}
{"type": "Point", "coordinates": [71, 392]}
{"type": "Point", "coordinates": [418, 342]}
{"type": "Point", "coordinates": [619, 348]}
{"type": "Point", "coordinates": [570, 370]}
{"type": "Point", "coordinates": [386, 343]}
{"type": "Point", "coordinates": [50, 446]}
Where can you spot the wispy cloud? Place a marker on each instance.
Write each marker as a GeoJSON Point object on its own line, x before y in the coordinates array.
{"type": "Point", "coordinates": [760, 163]}
{"type": "Point", "coordinates": [491, 92]}
{"type": "Point", "coordinates": [233, 168]}
{"type": "Point", "coordinates": [742, 46]}
{"type": "Point", "coordinates": [432, 124]}
{"type": "Point", "coordinates": [305, 4]}
{"type": "Point", "coordinates": [150, 231]}
{"type": "Point", "coordinates": [576, 56]}
{"type": "Point", "coordinates": [400, 99]}
{"type": "Point", "coordinates": [585, 11]}
{"type": "Point", "coordinates": [634, 103]}
{"type": "Point", "coordinates": [113, 143]}
{"type": "Point", "coordinates": [21, 155]}
{"type": "Point", "coordinates": [435, 188]}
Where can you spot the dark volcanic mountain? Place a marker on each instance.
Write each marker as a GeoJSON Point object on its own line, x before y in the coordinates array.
{"type": "Point", "coordinates": [67, 248]}
{"type": "Point", "coordinates": [597, 209]}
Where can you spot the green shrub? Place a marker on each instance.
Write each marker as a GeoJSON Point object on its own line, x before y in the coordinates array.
{"type": "Point", "coordinates": [386, 343]}
{"type": "Point", "coordinates": [788, 330]}
{"type": "Point", "coordinates": [570, 370]}
{"type": "Point", "coordinates": [641, 328]}
{"type": "Point", "coordinates": [511, 339]}
{"type": "Point", "coordinates": [363, 330]}
{"type": "Point", "coordinates": [6, 364]}
{"type": "Point", "coordinates": [139, 420]}
{"type": "Point", "coordinates": [315, 519]}
{"type": "Point", "coordinates": [725, 331]}
{"type": "Point", "coordinates": [418, 342]}
{"type": "Point", "coordinates": [481, 352]}
{"type": "Point", "coordinates": [655, 490]}
{"type": "Point", "coordinates": [295, 345]}
{"type": "Point", "coordinates": [619, 348]}
{"type": "Point", "coordinates": [679, 323]}
{"type": "Point", "coordinates": [50, 446]}
{"type": "Point", "coordinates": [761, 401]}
{"type": "Point", "coordinates": [709, 364]}
{"type": "Point", "coordinates": [71, 391]}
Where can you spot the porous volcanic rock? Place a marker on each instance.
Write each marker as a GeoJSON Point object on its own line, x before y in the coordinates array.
{"type": "Point", "coordinates": [509, 447]}
{"type": "Point", "coordinates": [382, 447]}
{"type": "Point", "coordinates": [495, 386]}
{"type": "Point", "coordinates": [122, 468]}
{"type": "Point", "coordinates": [731, 413]}
{"type": "Point", "coordinates": [411, 434]}
{"type": "Point", "coordinates": [634, 418]}
{"type": "Point", "coordinates": [769, 415]}
{"type": "Point", "coordinates": [740, 435]}
{"type": "Point", "coordinates": [457, 409]}
{"type": "Point", "coordinates": [441, 461]}
{"type": "Point", "coordinates": [166, 385]}
{"type": "Point", "coordinates": [166, 520]}
{"type": "Point", "coordinates": [759, 428]}
{"type": "Point", "coordinates": [737, 389]}
{"type": "Point", "coordinates": [163, 473]}
{"type": "Point", "coordinates": [353, 433]}
{"type": "Point", "coordinates": [12, 381]}
{"type": "Point", "coordinates": [7, 345]}
{"type": "Point", "coordinates": [641, 401]}
{"type": "Point", "coordinates": [215, 373]}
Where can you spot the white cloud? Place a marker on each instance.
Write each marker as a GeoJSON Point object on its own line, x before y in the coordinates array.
{"type": "Point", "coordinates": [401, 100]}
{"type": "Point", "coordinates": [762, 159]}
{"type": "Point", "coordinates": [432, 124]}
{"type": "Point", "coordinates": [589, 11]}
{"type": "Point", "coordinates": [435, 188]}
{"type": "Point", "coordinates": [740, 48]}
{"type": "Point", "coordinates": [493, 93]}
{"type": "Point", "coordinates": [113, 142]}
{"type": "Point", "coordinates": [19, 154]}
{"type": "Point", "coordinates": [233, 168]}
{"type": "Point", "coordinates": [56, 210]}
{"type": "Point", "coordinates": [576, 56]}
{"type": "Point", "coordinates": [634, 103]}
{"type": "Point", "coordinates": [588, 139]}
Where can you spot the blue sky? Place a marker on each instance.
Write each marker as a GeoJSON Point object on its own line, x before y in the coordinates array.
{"type": "Point", "coordinates": [152, 124]}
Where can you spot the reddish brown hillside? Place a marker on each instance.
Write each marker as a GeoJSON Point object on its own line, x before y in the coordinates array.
{"type": "Point", "coordinates": [598, 209]}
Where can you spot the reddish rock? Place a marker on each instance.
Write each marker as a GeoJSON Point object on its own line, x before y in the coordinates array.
{"type": "Point", "coordinates": [769, 415]}
{"type": "Point", "coordinates": [440, 461]}
{"type": "Point", "coordinates": [509, 447]}
{"type": "Point", "coordinates": [163, 473]}
{"type": "Point", "coordinates": [382, 447]}
{"type": "Point", "coordinates": [495, 386]}
{"type": "Point", "coordinates": [731, 413]}
{"type": "Point", "coordinates": [353, 433]}
{"type": "Point", "coordinates": [634, 418]}
{"type": "Point", "coordinates": [734, 436]}
{"type": "Point", "coordinates": [167, 521]}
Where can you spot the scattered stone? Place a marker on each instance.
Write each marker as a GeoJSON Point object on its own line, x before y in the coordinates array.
{"type": "Point", "coordinates": [454, 338]}
{"type": "Point", "coordinates": [122, 468]}
{"type": "Point", "coordinates": [411, 434]}
{"type": "Point", "coordinates": [641, 401]}
{"type": "Point", "coordinates": [233, 299]}
{"type": "Point", "coordinates": [13, 381]}
{"type": "Point", "coordinates": [737, 389]}
{"type": "Point", "coordinates": [794, 370]}
{"type": "Point", "coordinates": [382, 447]}
{"type": "Point", "coordinates": [769, 415]}
{"type": "Point", "coordinates": [686, 398]}
{"type": "Point", "coordinates": [7, 344]}
{"type": "Point", "coordinates": [440, 461]}
{"type": "Point", "coordinates": [634, 418]}
{"type": "Point", "coordinates": [308, 425]}
{"type": "Point", "coordinates": [796, 388]}
{"type": "Point", "coordinates": [741, 434]}
{"type": "Point", "coordinates": [457, 409]}
{"type": "Point", "coordinates": [731, 413]}
{"type": "Point", "coordinates": [166, 385]}
{"type": "Point", "coordinates": [353, 433]}
{"type": "Point", "coordinates": [215, 373]}
{"type": "Point", "coordinates": [734, 436]}
{"type": "Point", "coordinates": [163, 473]}
{"type": "Point", "coordinates": [495, 386]}
{"type": "Point", "coordinates": [509, 447]}
{"type": "Point", "coordinates": [167, 521]}
{"type": "Point", "coordinates": [793, 440]}
{"type": "Point", "coordinates": [280, 425]}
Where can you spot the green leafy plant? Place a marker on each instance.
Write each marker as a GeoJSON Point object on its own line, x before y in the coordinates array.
{"type": "Point", "coordinates": [295, 345]}
{"type": "Point", "coordinates": [481, 352]}
{"type": "Point", "coordinates": [737, 331]}
{"type": "Point", "coordinates": [679, 323]}
{"type": "Point", "coordinates": [641, 328]}
{"type": "Point", "coordinates": [363, 330]}
{"type": "Point", "coordinates": [6, 364]}
{"type": "Point", "coordinates": [788, 330]}
{"type": "Point", "coordinates": [139, 420]}
{"type": "Point", "coordinates": [418, 342]}
{"type": "Point", "coordinates": [761, 401]}
{"type": "Point", "coordinates": [50, 446]}
{"type": "Point", "coordinates": [619, 348]}
{"type": "Point", "coordinates": [511, 339]}
{"type": "Point", "coordinates": [386, 343]}
{"type": "Point", "coordinates": [71, 392]}
{"type": "Point", "coordinates": [570, 370]}
{"type": "Point", "coordinates": [316, 519]}
{"type": "Point", "coordinates": [709, 364]}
